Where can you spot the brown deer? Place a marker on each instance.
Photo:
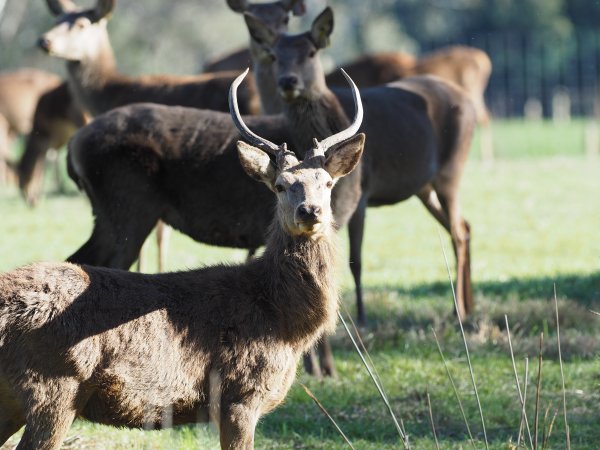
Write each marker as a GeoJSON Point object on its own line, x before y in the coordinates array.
{"type": "Point", "coordinates": [273, 14]}
{"type": "Point", "coordinates": [81, 38]}
{"type": "Point", "coordinates": [468, 67]}
{"type": "Point", "coordinates": [419, 133]}
{"type": "Point", "coordinates": [276, 16]}
{"type": "Point", "coordinates": [219, 343]}
{"type": "Point", "coordinates": [19, 93]}
{"type": "Point", "coordinates": [55, 120]}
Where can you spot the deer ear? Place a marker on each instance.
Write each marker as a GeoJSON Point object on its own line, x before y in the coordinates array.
{"type": "Point", "coordinates": [297, 7]}
{"type": "Point", "coordinates": [238, 6]}
{"type": "Point", "coordinates": [257, 164]}
{"type": "Point", "coordinates": [260, 32]}
{"type": "Point", "coordinates": [322, 28]}
{"type": "Point", "coordinates": [343, 159]}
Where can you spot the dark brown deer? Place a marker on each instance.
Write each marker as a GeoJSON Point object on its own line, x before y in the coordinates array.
{"type": "Point", "coordinates": [19, 93]}
{"type": "Point", "coordinates": [220, 343]}
{"type": "Point", "coordinates": [276, 16]}
{"type": "Point", "coordinates": [419, 133]}
{"type": "Point", "coordinates": [55, 120]}
{"type": "Point", "coordinates": [81, 38]}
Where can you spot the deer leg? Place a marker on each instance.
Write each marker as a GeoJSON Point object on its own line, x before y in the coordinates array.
{"type": "Point", "coordinates": [11, 417]}
{"type": "Point", "coordinates": [356, 228]}
{"type": "Point", "coordinates": [163, 236]}
{"type": "Point", "coordinates": [429, 198]}
{"type": "Point", "coordinates": [141, 262]}
{"type": "Point", "coordinates": [237, 426]}
{"type": "Point", "coordinates": [326, 357]}
{"type": "Point", "coordinates": [251, 253]}
{"type": "Point", "coordinates": [4, 149]}
{"type": "Point", "coordinates": [461, 236]}
{"type": "Point", "coordinates": [52, 409]}
{"type": "Point", "coordinates": [311, 363]}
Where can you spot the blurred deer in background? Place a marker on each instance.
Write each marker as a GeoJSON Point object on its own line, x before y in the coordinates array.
{"type": "Point", "coordinates": [276, 16]}
{"type": "Point", "coordinates": [56, 118]}
{"type": "Point", "coordinates": [468, 67]}
{"type": "Point", "coordinates": [220, 343]}
{"type": "Point", "coordinates": [20, 91]}
{"type": "Point", "coordinates": [418, 137]}
{"type": "Point", "coordinates": [81, 38]}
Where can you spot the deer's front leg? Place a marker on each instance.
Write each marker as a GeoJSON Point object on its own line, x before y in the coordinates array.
{"type": "Point", "coordinates": [237, 426]}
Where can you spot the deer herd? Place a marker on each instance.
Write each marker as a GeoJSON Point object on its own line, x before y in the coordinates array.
{"type": "Point", "coordinates": [283, 156]}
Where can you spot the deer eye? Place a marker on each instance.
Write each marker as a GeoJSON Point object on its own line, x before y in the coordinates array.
{"type": "Point", "coordinates": [312, 53]}
{"type": "Point", "coordinates": [330, 184]}
{"type": "Point", "coordinates": [279, 187]}
{"type": "Point", "coordinates": [286, 20]}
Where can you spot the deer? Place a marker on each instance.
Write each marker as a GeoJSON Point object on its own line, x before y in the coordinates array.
{"type": "Point", "coordinates": [55, 120]}
{"type": "Point", "coordinates": [144, 163]}
{"type": "Point", "coordinates": [19, 93]}
{"type": "Point", "coordinates": [220, 343]}
{"type": "Point", "coordinates": [80, 37]}
{"type": "Point", "coordinates": [468, 67]}
{"type": "Point", "coordinates": [419, 133]}
{"type": "Point", "coordinates": [276, 16]}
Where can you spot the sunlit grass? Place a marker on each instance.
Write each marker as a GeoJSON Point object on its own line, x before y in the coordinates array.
{"type": "Point", "coordinates": [535, 221]}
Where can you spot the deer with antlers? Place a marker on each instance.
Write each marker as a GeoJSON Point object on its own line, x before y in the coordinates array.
{"type": "Point", "coordinates": [218, 343]}
{"type": "Point", "coordinates": [20, 91]}
{"type": "Point", "coordinates": [419, 133]}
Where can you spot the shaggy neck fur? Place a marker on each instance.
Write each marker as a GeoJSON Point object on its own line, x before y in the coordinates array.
{"type": "Point", "coordinates": [301, 280]}
{"type": "Point", "coordinates": [316, 116]}
{"type": "Point", "coordinates": [89, 76]}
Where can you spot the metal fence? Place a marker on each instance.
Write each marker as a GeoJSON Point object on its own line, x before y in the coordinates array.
{"type": "Point", "coordinates": [538, 76]}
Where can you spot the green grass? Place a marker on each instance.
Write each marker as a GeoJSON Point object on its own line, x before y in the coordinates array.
{"type": "Point", "coordinates": [535, 222]}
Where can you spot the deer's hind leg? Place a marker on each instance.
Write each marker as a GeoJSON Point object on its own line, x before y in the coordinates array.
{"type": "Point", "coordinates": [445, 208]}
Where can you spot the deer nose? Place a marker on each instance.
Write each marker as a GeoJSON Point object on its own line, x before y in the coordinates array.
{"type": "Point", "coordinates": [288, 82]}
{"type": "Point", "coordinates": [308, 213]}
{"type": "Point", "coordinates": [44, 43]}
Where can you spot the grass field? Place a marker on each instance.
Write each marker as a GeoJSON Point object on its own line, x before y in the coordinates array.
{"type": "Point", "coordinates": [535, 217]}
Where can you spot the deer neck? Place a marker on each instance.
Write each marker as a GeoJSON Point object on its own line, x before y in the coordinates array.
{"type": "Point", "coordinates": [317, 115]}
{"type": "Point", "coordinates": [301, 274]}
{"type": "Point", "coordinates": [88, 78]}
{"type": "Point", "coordinates": [270, 99]}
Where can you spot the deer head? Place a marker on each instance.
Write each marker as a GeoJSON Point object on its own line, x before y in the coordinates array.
{"type": "Point", "coordinates": [297, 68]}
{"type": "Point", "coordinates": [79, 33]}
{"type": "Point", "coordinates": [303, 188]}
{"type": "Point", "coordinates": [274, 15]}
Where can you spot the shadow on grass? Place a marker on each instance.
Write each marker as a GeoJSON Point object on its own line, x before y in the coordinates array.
{"type": "Point", "coordinates": [583, 289]}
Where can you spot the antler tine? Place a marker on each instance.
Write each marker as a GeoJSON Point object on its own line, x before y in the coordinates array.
{"type": "Point", "coordinates": [58, 7]}
{"type": "Point", "coordinates": [354, 127]}
{"type": "Point", "coordinates": [104, 8]}
{"type": "Point", "coordinates": [246, 133]}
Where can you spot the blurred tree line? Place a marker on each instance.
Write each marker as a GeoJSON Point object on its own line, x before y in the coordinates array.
{"type": "Point", "coordinates": [535, 45]}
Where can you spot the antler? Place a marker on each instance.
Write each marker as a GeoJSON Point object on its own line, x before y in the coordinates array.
{"type": "Point", "coordinates": [58, 7]}
{"type": "Point", "coordinates": [352, 129]}
{"type": "Point", "coordinates": [253, 138]}
{"type": "Point", "coordinates": [104, 8]}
